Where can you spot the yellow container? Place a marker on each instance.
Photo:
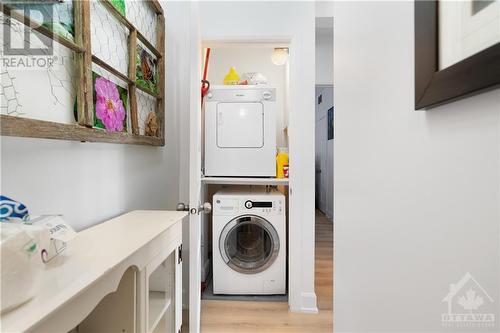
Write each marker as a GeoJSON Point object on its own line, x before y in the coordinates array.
{"type": "Point", "coordinates": [231, 77]}
{"type": "Point", "coordinates": [281, 163]}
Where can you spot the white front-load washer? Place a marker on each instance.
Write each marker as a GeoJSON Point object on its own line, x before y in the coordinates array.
{"type": "Point", "coordinates": [249, 242]}
{"type": "Point", "coordinates": [240, 131]}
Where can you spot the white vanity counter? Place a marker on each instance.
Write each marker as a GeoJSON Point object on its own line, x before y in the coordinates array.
{"type": "Point", "coordinates": [92, 267]}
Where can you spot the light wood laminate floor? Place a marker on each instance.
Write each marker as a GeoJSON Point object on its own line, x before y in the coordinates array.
{"type": "Point", "coordinates": [262, 317]}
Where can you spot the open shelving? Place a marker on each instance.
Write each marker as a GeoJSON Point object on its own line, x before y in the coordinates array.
{"type": "Point", "coordinates": [159, 303]}
{"type": "Point", "coordinates": [244, 181]}
{"type": "Point", "coordinates": [161, 291]}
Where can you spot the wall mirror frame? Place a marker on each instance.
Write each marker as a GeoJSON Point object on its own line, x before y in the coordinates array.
{"type": "Point", "coordinates": [83, 129]}
{"type": "Point", "coordinates": [471, 75]}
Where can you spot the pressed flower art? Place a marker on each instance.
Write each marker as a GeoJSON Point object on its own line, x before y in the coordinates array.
{"type": "Point", "coordinates": [119, 5]}
{"type": "Point", "coordinates": [110, 105]}
{"type": "Point", "coordinates": [146, 70]}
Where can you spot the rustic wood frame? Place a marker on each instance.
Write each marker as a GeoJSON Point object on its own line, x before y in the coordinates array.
{"type": "Point", "coordinates": [83, 130]}
{"type": "Point", "coordinates": [469, 76]}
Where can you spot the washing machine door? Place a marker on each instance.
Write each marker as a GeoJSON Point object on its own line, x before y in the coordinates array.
{"type": "Point", "coordinates": [249, 244]}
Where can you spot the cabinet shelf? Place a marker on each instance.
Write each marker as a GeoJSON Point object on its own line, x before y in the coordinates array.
{"type": "Point", "coordinates": [159, 302]}
{"type": "Point", "coordinates": [244, 181]}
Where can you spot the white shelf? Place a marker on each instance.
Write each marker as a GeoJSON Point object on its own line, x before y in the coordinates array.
{"type": "Point", "coordinates": [158, 305]}
{"type": "Point", "coordinates": [244, 181]}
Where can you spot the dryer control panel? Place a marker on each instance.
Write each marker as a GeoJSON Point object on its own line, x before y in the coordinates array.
{"type": "Point", "coordinates": [249, 93]}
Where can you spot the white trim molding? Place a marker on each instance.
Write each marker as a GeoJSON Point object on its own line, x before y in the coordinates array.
{"type": "Point", "coordinates": [308, 303]}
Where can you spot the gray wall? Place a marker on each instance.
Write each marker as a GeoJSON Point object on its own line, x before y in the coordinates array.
{"type": "Point", "coordinates": [324, 152]}
{"type": "Point", "coordinates": [324, 55]}
{"type": "Point", "coordinates": [416, 193]}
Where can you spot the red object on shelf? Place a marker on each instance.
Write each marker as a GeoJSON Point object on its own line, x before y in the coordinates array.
{"type": "Point", "coordinates": [285, 170]}
{"type": "Point", "coordinates": [205, 85]}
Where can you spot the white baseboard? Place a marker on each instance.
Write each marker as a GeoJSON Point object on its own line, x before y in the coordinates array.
{"type": "Point", "coordinates": [305, 304]}
{"type": "Point", "coordinates": [308, 303]}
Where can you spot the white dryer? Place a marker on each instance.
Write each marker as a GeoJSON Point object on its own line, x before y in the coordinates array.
{"type": "Point", "coordinates": [249, 242]}
{"type": "Point", "coordinates": [240, 131]}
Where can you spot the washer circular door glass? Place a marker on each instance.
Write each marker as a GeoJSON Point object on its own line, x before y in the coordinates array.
{"type": "Point", "coordinates": [249, 244]}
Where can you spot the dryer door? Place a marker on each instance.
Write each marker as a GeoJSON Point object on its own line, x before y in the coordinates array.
{"type": "Point", "coordinates": [249, 244]}
{"type": "Point", "coordinates": [240, 125]}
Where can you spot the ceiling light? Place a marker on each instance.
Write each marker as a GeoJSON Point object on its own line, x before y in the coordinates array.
{"type": "Point", "coordinates": [279, 56]}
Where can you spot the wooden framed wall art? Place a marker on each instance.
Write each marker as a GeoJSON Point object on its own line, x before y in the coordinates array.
{"type": "Point", "coordinates": [457, 49]}
{"type": "Point", "coordinates": [83, 70]}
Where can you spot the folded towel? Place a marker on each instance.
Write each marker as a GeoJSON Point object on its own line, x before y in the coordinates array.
{"type": "Point", "coordinates": [11, 209]}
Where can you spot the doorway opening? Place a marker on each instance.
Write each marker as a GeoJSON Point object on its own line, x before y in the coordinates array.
{"type": "Point", "coordinates": [324, 149]}
{"type": "Point", "coordinates": [324, 138]}
{"type": "Point", "coordinates": [245, 111]}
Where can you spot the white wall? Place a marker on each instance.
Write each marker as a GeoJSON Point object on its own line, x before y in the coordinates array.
{"type": "Point", "coordinates": [251, 59]}
{"type": "Point", "coordinates": [324, 42]}
{"type": "Point", "coordinates": [417, 194]}
{"type": "Point", "coordinates": [284, 21]}
{"type": "Point", "coordinates": [92, 182]}
{"type": "Point", "coordinates": [324, 56]}
{"type": "Point", "coordinates": [324, 8]}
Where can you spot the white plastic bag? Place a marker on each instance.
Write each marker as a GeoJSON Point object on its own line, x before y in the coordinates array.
{"type": "Point", "coordinates": [254, 78]}
{"type": "Point", "coordinates": [21, 265]}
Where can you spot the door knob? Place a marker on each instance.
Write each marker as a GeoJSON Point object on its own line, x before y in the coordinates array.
{"type": "Point", "coordinates": [206, 208]}
{"type": "Point", "coordinates": [182, 207]}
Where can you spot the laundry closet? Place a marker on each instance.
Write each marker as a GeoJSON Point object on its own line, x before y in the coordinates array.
{"type": "Point", "coordinates": [245, 170]}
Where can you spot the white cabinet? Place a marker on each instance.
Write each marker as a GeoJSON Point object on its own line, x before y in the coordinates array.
{"type": "Point", "coordinates": [157, 284]}
{"type": "Point", "coordinates": [123, 275]}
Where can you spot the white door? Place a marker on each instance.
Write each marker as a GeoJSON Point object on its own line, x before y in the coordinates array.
{"type": "Point", "coordinates": [195, 172]}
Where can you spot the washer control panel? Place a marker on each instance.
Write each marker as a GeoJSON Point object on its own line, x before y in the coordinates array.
{"type": "Point", "coordinates": [256, 205]}
{"type": "Point", "coordinates": [274, 206]}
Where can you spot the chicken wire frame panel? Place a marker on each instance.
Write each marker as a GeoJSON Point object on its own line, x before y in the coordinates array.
{"type": "Point", "coordinates": [146, 69]}
{"type": "Point", "coordinates": [76, 45]}
{"type": "Point", "coordinates": [136, 37]}
{"type": "Point", "coordinates": [140, 13]}
{"type": "Point", "coordinates": [83, 131]}
{"type": "Point", "coordinates": [56, 86]}
{"type": "Point", "coordinates": [109, 38]}
{"type": "Point", "coordinates": [119, 83]}
{"type": "Point", "coordinates": [146, 104]}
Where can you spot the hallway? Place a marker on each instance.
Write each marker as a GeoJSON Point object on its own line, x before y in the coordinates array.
{"type": "Point", "coordinates": [226, 316]}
